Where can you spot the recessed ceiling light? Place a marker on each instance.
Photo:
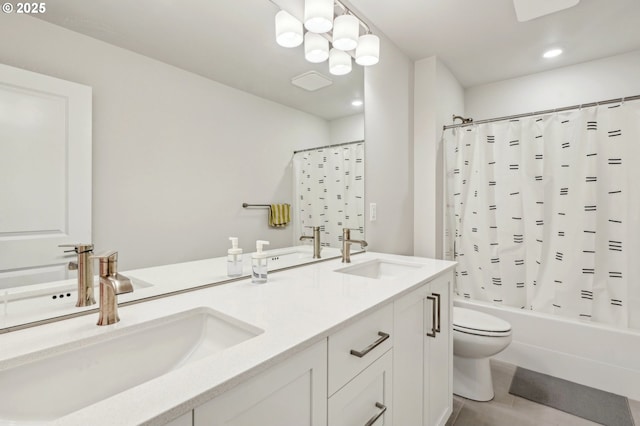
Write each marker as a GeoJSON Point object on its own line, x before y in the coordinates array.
{"type": "Point", "coordinates": [356, 103]}
{"type": "Point", "coordinates": [552, 53]}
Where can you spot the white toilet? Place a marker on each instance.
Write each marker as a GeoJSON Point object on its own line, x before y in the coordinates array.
{"type": "Point", "coordinates": [476, 337]}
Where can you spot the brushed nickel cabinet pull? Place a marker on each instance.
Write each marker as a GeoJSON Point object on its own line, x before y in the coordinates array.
{"type": "Point", "coordinates": [438, 323]}
{"type": "Point", "coordinates": [433, 316]}
{"type": "Point", "coordinates": [373, 419]}
{"type": "Point", "coordinates": [360, 354]}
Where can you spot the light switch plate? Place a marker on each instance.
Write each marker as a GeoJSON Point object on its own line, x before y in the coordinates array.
{"type": "Point", "coordinates": [373, 212]}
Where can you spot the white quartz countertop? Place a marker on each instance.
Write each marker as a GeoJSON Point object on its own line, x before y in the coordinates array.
{"type": "Point", "coordinates": [295, 308]}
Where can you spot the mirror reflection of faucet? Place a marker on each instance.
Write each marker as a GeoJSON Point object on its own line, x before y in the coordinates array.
{"type": "Point", "coordinates": [316, 240]}
{"type": "Point", "coordinates": [346, 244]}
{"type": "Point", "coordinates": [111, 284]}
{"type": "Point", "coordinates": [84, 266]}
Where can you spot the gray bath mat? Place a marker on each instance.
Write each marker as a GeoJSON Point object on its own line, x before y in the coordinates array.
{"type": "Point", "coordinates": [582, 401]}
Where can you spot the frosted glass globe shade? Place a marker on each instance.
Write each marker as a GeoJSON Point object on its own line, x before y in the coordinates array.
{"type": "Point", "coordinates": [288, 30]}
{"type": "Point", "coordinates": [339, 62]}
{"type": "Point", "coordinates": [346, 29]}
{"type": "Point", "coordinates": [318, 15]}
{"type": "Point", "coordinates": [316, 48]}
{"type": "Point", "coordinates": [368, 50]}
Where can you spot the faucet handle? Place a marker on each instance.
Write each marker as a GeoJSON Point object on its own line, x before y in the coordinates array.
{"type": "Point", "coordinates": [78, 248]}
{"type": "Point", "coordinates": [109, 254]}
{"type": "Point", "coordinates": [313, 227]}
{"type": "Point", "coordinates": [347, 231]}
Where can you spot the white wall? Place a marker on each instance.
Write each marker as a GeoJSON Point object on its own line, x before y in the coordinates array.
{"type": "Point", "coordinates": [347, 129]}
{"type": "Point", "coordinates": [608, 78]}
{"type": "Point", "coordinates": [437, 96]}
{"type": "Point", "coordinates": [388, 89]}
{"type": "Point", "coordinates": [174, 154]}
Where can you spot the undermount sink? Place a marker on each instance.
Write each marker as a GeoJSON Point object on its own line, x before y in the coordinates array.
{"type": "Point", "coordinates": [75, 375]}
{"type": "Point", "coordinates": [380, 269]}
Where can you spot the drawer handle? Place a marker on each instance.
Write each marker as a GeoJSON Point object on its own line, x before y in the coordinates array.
{"type": "Point", "coordinates": [433, 316]}
{"type": "Point", "coordinates": [373, 419]}
{"type": "Point", "coordinates": [360, 354]}
{"type": "Point", "coordinates": [438, 323]}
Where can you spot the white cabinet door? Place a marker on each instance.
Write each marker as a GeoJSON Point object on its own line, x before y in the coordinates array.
{"type": "Point", "coordinates": [423, 355]}
{"type": "Point", "coordinates": [291, 393]}
{"type": "Point", "coordinates": [438, 382]}
{"type": "Point", "coordinates": [45, 174]}
{"type": "Point", "coordinates": [365, 400]}
{"type": "Point", "coordinates": [408, 357]}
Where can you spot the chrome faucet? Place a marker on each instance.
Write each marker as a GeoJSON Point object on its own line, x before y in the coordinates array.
{"type": "Point", "coordinates": [111, 284]}
{"type": "Point", "coordinates": [346, 245]}
{"type": "Point", "coordinates": [84, 266]}
{"type": "Point", "coordinates": [316, 240]}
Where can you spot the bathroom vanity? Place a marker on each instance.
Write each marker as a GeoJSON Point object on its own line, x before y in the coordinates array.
{"type": "Point", "coordinates": [320, 344]}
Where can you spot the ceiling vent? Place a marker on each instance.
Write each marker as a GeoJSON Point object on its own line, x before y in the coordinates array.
{"type": "Point", "coordinates": [311, 81]}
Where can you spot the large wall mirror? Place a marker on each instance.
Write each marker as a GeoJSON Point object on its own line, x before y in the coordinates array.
{"type": "Point", "coordinates": [193, 114]}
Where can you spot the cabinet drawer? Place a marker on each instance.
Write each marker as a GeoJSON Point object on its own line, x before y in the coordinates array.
{"type": "Point", "coordinates": [351, 350]}
{"type": "Point", "coordinates": [367, 399]}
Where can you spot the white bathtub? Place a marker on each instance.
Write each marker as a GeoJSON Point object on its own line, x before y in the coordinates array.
{"type": "Point", "coordinates": [594, 355]}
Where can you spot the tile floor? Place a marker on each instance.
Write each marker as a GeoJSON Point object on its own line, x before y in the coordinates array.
{"type": "Point", "coordinates": [510, 410]}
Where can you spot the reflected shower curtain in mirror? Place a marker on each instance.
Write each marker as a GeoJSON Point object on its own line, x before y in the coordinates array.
{"type": "Point", "coordinates": [329, 192]}
{"type": "Point", "coordinates": [542, 212]}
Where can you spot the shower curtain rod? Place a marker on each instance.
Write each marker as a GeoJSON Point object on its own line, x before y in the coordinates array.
{"type": "Point", "coordinates": [548, 111]}
{"type": "Point", "coordinates": [327, 146]}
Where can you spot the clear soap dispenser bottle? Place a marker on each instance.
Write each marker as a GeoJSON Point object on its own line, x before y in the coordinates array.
{"type": "Point", "coordinates": [234, 259]}
{"type": "Point", "coordinates": [259, 264]}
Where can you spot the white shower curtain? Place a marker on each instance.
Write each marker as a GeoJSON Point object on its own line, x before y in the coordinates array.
{"type": "Point", "coordinates": [543, 211]}
{"type": "Point", "coordinates": [329, 192]}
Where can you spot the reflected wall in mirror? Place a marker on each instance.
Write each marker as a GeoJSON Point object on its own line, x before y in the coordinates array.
{"type": "Point", "coordinates": [188, 123]}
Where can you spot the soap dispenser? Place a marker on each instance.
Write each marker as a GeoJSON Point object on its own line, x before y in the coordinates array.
{"type": "Point", "coordinates": [234, 259]}
{"type": "Point", "coordinates": [259, 264]}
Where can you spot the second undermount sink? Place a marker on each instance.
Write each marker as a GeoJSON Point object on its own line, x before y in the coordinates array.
{"type": "Point", "coordinates": [76, 375]}
{"type": "Point", "coordinates": [380, 269]}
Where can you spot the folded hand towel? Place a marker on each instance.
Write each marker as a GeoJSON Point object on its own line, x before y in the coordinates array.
{"type": "Point", "coordinates": [279, 215]}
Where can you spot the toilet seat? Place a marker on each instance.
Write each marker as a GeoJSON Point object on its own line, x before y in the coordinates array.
{"type": "Point", "coordinates": [478, 323]}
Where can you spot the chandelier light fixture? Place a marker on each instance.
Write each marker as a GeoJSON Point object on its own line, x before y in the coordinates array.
{"type": "Point", "coordinates": [329, 35]}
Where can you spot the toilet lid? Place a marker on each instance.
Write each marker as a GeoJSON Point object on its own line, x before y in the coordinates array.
{"type": "Point", "coordinates": [475, 322]}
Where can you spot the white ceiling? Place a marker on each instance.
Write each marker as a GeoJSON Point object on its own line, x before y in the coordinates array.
{"type": "Point", "coordinates": [233, 41]}
{"type": "Point", "coordinates": [481, 41]}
